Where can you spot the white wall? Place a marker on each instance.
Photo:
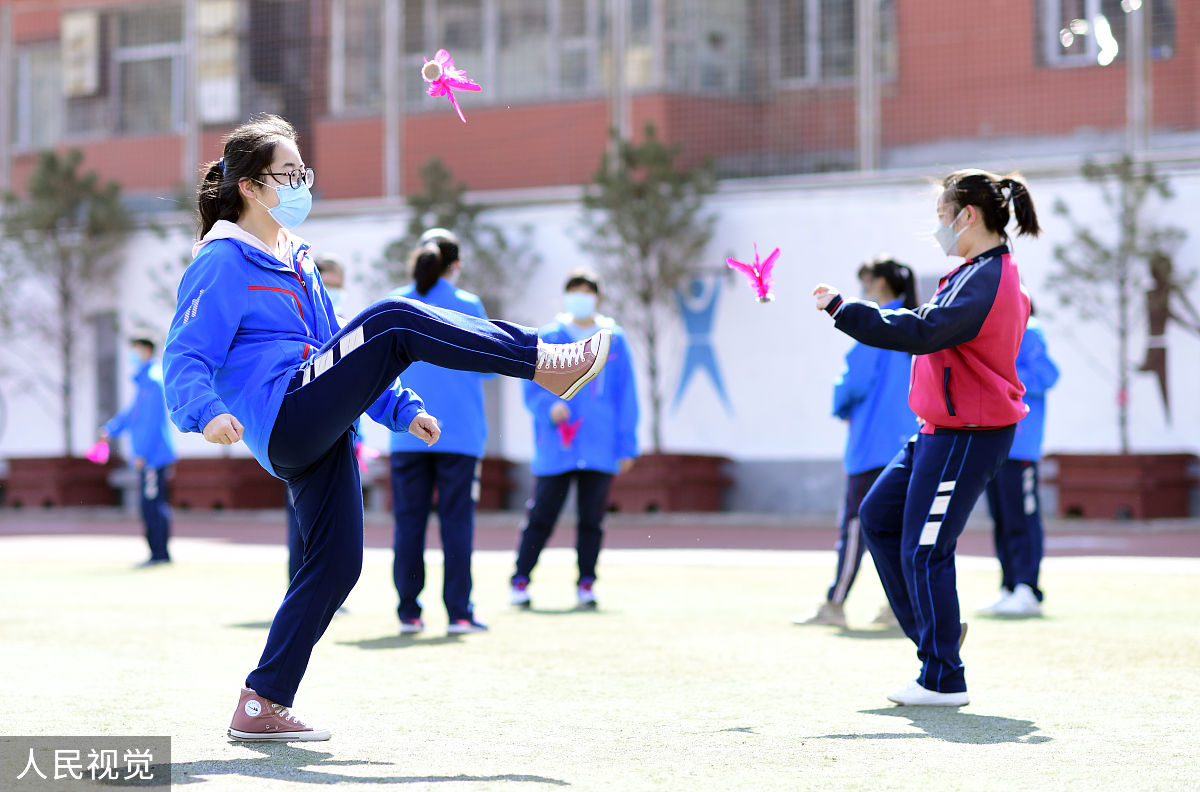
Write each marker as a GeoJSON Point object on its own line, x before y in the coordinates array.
{"type": "Point", "coordinates": [778, 359]}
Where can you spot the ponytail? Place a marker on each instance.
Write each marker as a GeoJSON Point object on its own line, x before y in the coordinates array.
{"type": "Point", "coordinates": [909, 285]}
{"type": "Point", "coordinates": [248, 151]}
{"type": "Point", "coordinates": [426, 267]}
{"type": "Point", "coordinates": [217, 199]}
{"type": "Point", "coordinates": [1017, 191]}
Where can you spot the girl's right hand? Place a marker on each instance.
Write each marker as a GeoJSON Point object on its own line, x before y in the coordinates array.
{"type": "Point", "coordinates": [223, 430]}
{"type": "Point", "coordinates": [559, 412]}
{"type": "Point", "coordinates": [824, 294]}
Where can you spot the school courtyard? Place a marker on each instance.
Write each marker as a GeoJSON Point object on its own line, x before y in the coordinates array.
{"type": "Point", "coordinates": [690, 676]}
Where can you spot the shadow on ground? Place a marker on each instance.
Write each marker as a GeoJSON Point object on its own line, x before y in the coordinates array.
{"type": "Point", "coordinates": [286, 762]}
{"type": "Point", "coordinates": [401, 641]}
{"type": "Point", "coordinates": [952, 725]}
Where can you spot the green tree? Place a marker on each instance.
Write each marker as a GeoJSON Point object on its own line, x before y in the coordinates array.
{"type": "Point", "coordinates": [62, 236]}
{"type": "Point", "coordinates": [494, 266]}
{"type": "Point", "coordinates": [647, 229]}
{"type": "Point", "coordinates": [1106, 266]}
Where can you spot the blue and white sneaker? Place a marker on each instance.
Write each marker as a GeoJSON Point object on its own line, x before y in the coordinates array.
{"type": "Point", "coordinates": [411, 626]}
{"type": "Point", "coordinates": [584, 594]}
{"type": "Point", "coordinates": [519, 596]}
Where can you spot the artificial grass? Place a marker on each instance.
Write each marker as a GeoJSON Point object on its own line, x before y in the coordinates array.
{"type": "Point", "coordinates": [690, 676]}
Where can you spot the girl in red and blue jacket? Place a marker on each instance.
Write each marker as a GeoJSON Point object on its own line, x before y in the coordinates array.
{"type": "Point", "coordinates": [967, 396]}
{"type": "Point", "coordinates": [257, 353]}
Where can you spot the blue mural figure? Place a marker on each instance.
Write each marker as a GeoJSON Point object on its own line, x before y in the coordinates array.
{"type": "Point", "coordinates": [697, 302]}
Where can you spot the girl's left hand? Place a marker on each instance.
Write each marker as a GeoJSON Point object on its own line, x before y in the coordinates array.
{"type": "Point", "coordinates": [425, 427]}
{"type": "Point", "coordinates": [824, 294]}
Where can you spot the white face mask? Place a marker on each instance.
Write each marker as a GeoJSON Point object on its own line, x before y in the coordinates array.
{"type": "Point", "coordinates": [335, 296]}
{"type": "Point", "coordinates": [579, 304]}
{"type": "Point", "coordinates": [947, 237]}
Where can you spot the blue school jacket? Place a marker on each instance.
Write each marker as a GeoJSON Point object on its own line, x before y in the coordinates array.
{"type": "Point", "coordinates": [455, 398]}
{"type": "Point", "coordinates": [245, 323]}
{"type": "Point", "coordinates": [606, 410]}
{"type": "Point", "coordinates": [146, 419]}
{"type": "Point", "coordinates": [1039, 374]}
{"type": "Point", "coordinates": [872, 394]}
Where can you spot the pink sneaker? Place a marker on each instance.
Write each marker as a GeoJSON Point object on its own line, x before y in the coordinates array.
{"type": "Point", "coordinates": [257, 718]}
{"type": "Point", "coordinates": [563, 369]}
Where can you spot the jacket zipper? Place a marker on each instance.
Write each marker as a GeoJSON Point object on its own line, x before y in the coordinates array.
{"type": "Point", "coordinates": [946, 389]}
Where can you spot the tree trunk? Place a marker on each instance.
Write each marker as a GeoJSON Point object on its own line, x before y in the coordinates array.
{"type": "Point", "coordinates": [652, 368]}
{"type": "Point", "coordinates": [1124, 254]}
{"type": "Point", "coordinates": [66, 349]}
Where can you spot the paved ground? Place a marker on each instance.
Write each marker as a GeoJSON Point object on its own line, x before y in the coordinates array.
{"type": "Point", "coordinates": [499, 530]}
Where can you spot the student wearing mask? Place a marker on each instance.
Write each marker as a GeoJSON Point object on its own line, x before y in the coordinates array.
{"type": "Point", "coordinates": [966, 393]}
{"type": "Point", "coordinates": [256, 353]}
{"type": "Point", "coordinates": [584, 443]}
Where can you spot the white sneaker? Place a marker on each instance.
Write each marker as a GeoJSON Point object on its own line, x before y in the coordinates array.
{"type": "Point", "coordinates": [886, 617]}
{"type": "Point", "coordinates": [990, 608]}
{"type": "Point", "coordinates": [917, 696]}
{"type": "Point", "coordinates": [584, 596]}
{"type": "Point", "coordinates": [1022, 602]}
{"type": "Point", "coordinates": [519, 595]}
{"type": "Point", "coordinates": [830, 613]}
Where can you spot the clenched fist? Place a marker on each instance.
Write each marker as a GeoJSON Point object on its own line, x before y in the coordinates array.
{"type": "Point", "coordinates": [425, 427]}
{"type": "Point", "coordinates": [223, 430]}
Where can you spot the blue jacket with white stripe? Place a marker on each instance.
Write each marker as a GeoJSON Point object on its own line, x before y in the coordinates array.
{"type": "Point", "coordinates": [146, 419]}
{"type": "Point", "coordinates": [245, 323]}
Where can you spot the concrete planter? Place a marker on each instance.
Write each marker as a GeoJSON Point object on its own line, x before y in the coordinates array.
{"type": "Point", "coordinates": [495, 485]}
{"type": "Point", "coordinates": [225, 483]}
{"type": "Point", "coordinates": [671, 483]}
{"type": "Point", "coordinates": [59, 481]}
{"type": "Point", "coordinates": [1123, 486]}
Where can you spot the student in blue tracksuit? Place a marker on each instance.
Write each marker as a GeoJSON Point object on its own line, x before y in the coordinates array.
{"type": "Point", "coordinates": [967, 396]}
{"type": "Point", "coordinates": [153, 444]}
{"type": "Point", "coordinates": [256, 353]}
{"type": "Point", "coordinates": [453, 469]}
{"type": "Point", "coordinates": [871, 395]}
{"type": "Point", "coordinates": [586, 442]}
{"type": "Point", "coordinates": [1012, 496]}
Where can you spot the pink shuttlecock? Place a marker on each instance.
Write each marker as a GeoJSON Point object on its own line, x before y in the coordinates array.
{"type": "Point", "coordinates": [567, 431]}
{"type": "Point", "coordinates": [758, 273]}
{"type": "Point", "coordinates": [98, 453]}
{"type": "Point", "coordinates": [444, 79]}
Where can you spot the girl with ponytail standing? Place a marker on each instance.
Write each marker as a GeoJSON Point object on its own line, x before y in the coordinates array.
{"type": "Point", "coordinates": [452, 469]}
{"type": "Point", "coordinates": [967, 398]}
{"type": "Point", "coordinates": [871, 396]}
{"type": "Point", "coordinates": [256, 353]}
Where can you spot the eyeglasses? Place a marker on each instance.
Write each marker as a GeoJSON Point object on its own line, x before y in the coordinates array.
{"type": "Point", "coordinates": [296, 177]}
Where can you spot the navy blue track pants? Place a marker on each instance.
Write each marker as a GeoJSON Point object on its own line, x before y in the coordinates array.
{"type": "Point", "coordinates": [549, 495]}
{"type": "Point", "coordinates": [851, 546]}
{"type": "Point", "coordinates": [912, 518]}
{"type": "Point", "coordinates": [156, 511]}
{"type": "Point", "coordinates": [312, 449]}
{"type": "Point", "coordinates": [415, 477]}
{"type": "Point", "coordinates": [1012, 498]}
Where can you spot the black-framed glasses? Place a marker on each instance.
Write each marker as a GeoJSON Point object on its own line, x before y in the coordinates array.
{"type": "Point", "coordinates": [296, 177]}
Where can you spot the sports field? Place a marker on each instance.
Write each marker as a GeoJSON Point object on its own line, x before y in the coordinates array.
{"type": "Point", "coordinates": [690, 677]}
